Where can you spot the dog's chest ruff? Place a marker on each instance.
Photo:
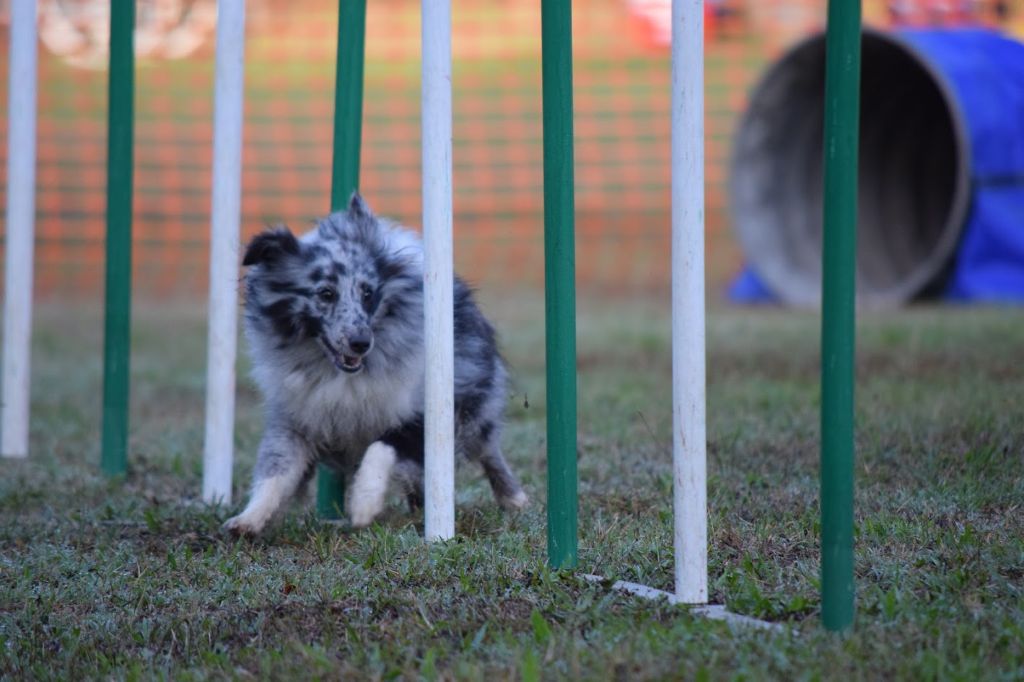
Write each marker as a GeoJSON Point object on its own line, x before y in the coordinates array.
{"type": "Point", "coordinates": [350, 411]}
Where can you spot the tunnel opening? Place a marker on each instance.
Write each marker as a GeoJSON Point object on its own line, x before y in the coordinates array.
{"type": "Point", "coordinates": [914, 178]}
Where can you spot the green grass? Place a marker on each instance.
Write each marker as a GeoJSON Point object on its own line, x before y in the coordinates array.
{"type": "Point", "coordinates": [133, 579]}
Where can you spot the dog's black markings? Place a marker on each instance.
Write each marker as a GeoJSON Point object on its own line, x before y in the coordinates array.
{"type": "Point", "coordinates": [408, 442]}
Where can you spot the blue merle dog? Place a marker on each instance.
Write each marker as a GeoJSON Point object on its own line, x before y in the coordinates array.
{"type": "Point", "coordinates": [334, 321]}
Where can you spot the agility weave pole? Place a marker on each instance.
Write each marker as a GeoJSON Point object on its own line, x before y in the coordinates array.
{"type": "Point", "coordinates": [117, 328]}
{"type": "Point", "coordinates": [838, 315]}
{"type": "Point", "coordinates": [348, 131]}
{"type": "Point", "coordinates": [559, 281]}
{"type": "Point", "coordinates": [689, 418]}
{"type": "Point", "coordinates": [21, 191]}
{"type": "Point", "coordinates": [438, 276]}
{"type": "Point", "coordinates": [225, 216]}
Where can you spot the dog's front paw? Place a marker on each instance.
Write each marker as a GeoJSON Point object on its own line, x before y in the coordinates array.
{"type": "Point", "coordinates": [368, 493]}
{"type": "Point", "coordinates": [242, 526]}
{"type": "Point", "coordinates": [515, 502]}
{"type": "Point", "coordinates": [363, 509]}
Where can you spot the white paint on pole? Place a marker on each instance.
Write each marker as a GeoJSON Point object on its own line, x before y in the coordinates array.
{"type": "Point", "coordinates": [689, 439]}
{"type": "Point", "coordinates": [439, 455]}
{"type": "Point", "coordinates": [21, 210]}
{"type": "Point", "coordinates": [218, 451]}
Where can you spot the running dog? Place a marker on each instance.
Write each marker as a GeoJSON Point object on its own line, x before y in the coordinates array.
{"type": "Point", "coordinates": [334, 323]}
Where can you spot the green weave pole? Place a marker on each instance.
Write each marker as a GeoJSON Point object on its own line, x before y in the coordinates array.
{"type": "Point", "coordinates": [330, 493]}
{"type": "Point", "coordinates": [559, 281]}
{"type": "Point", "coordinates": [116, 340]}
{"type": "Point", "coordinates": [348, 130]}
{"type": "Point", "coordinates": [838, 325]}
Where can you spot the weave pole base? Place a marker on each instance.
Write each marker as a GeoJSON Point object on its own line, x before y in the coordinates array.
{"type": "Point", "coordinates": [712, 611]}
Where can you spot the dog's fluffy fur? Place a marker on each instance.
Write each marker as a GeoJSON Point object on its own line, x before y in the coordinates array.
{"type": "Point", "coordinates": [334, 322]}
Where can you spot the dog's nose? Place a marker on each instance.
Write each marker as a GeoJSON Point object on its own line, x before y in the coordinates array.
{"type": "Point", "coordinates": [360, 343]}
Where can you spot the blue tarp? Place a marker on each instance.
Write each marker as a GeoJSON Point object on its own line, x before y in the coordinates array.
{"type": "Point", "coordinates": [985, 72]}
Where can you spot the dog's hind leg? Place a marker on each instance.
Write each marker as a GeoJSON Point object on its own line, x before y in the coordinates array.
{"type": "Point", "coordinates": [506, 487]}
{"type": "Point", "coordinates": [409, 475]}
{"type": "Point", "coordinates": [285, 461]}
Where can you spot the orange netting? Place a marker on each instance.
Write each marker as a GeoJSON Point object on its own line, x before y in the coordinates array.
{"type": "Point", "coordinates": [621, 98]}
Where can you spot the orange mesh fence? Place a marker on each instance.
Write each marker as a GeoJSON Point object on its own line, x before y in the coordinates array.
{"type": "Point", "coordinates": [622, 128]}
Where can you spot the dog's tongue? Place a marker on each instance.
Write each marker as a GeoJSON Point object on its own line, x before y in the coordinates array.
{"type": "Point", "coordinates": [350, 361]}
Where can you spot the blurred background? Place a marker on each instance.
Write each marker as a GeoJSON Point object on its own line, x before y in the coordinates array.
{"type": "Point", "coordinates": [622, 128]}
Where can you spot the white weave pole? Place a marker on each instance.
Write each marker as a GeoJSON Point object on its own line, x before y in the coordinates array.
{"type": "Point", "coordinates": [21, 210]}
{"type": "Point", "coordinates": [439, 422]}
{"type": "Point", "coordinates": [218, 450]}
{"type": "Point", "coordinates": [689, 449]}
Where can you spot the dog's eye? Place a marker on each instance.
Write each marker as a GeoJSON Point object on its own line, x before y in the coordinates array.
{"type": "Point", "coordinates": [367, 291]}
{"type": "Point", "coordinates": [327, 294]}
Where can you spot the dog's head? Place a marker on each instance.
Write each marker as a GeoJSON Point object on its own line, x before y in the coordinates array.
{"type": "Point", "coordinates": [335, 286]}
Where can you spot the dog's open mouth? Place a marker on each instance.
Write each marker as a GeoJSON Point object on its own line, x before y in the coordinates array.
{"type": "Point", "coordinates": [349, 364]}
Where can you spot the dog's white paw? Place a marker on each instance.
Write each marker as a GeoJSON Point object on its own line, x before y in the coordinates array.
{"type": "Point", "coordinates": [515, 502]}
{"type": "Point", "coordinates": [243, 524]}
{"type": "Point", "coordinates": [368, 492]}
{"type": "Point", "coordinates": [363, 510]}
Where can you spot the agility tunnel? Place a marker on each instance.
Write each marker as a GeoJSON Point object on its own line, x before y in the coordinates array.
{"type": "Point", "coordinates": [941, 198]}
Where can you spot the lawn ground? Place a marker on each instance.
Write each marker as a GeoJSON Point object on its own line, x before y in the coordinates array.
{"type": "Point", "coordinates": [132, 578]}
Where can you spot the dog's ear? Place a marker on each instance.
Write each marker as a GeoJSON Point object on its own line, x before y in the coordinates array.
{"type": "Point", "coordinates": [271, 246]}
{"type": "Point", "coordinates": [358, 209]}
